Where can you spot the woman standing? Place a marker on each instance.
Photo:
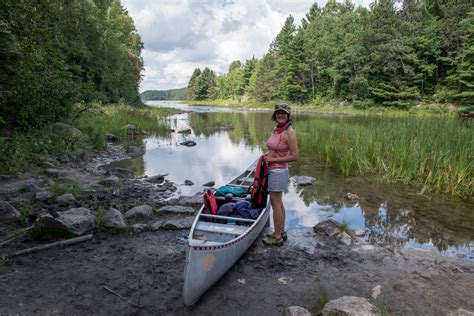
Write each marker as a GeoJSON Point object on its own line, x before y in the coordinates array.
{"type": "Point", "coordinates": [282, 149]}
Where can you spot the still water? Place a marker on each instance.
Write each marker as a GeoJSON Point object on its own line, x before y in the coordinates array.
{"type": "Point", "coordinates": [389, 214]}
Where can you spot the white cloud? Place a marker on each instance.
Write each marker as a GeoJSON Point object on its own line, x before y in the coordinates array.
{"type": "Point", "coordinates": [181, 35]}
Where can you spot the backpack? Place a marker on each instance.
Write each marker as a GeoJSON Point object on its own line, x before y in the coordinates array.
{"type": "Point", "coordinates": [210, 204]}
{"type": "Point", "coordinates": [259, 192]}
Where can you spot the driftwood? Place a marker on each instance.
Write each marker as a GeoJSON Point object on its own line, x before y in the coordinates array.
{"type": "Point", "coordinates": [61, 243]}
{"type": "Point", "coordinates": [120, 296]}
{"type": "Point", "coordinates": [15, 235]}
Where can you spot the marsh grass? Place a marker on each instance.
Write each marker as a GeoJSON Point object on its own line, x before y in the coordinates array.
{"type": "Point", "coordinates": [344, 228]}
{"type": "Point", "coordinates": [435, 154]}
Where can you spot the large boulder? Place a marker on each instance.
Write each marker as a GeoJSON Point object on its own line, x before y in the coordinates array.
{"type": "Point", "coordinates": [135, 151]}
{"type": "Point", "coordinates": [77, 221]}
{"type": "Point", "coordinates": [120, 172]}
{"type": "Point", "coordinates": [296, 311]}
{"type": "Point", "coordinates": [350, 306]}
{"type": "Point", "coordinates": [140, 212]}
{"type": "Point", "coordinates": [177, 224]}
{"type": "Point", "coordinates": [328, 227]}
{"type": "Point", "coordinates": [8, 212]}
{"type": "Point", "coordinates": [176, 209]}
{"type": "Point", "coordinates": [62, 128]}
{"type": "Point", "coordinates": [66, 199]}
{"type": "Point", "coordinates": [157, 178]}
{"type": "Point", "coordinates": [303, 180]}
{"type": "Point", "coordinates": [113, 218]}
{"type": "Point", "coordinates": [44, 196]}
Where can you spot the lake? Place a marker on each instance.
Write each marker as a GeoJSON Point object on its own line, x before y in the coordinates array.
{"type": "Point", "coordinates": [390, 214]}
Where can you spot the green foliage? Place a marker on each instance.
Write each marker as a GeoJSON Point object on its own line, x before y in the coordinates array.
{"type": "Point", "coordinates": [173, 94]}
{"type": "Point", "coordinates": [388, 55]}
{"type": "Point", "coordinates": [54, 55]}
{"type": "Point", "coordinates": [100, 218]}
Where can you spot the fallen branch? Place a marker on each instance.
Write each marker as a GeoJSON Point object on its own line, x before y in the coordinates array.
{"type": "Point", "coordinates": [121, 297]}
{"type": "Point", "coordinates": [61, 243]}
{"type": "Point", "coordinates": [15, 235]}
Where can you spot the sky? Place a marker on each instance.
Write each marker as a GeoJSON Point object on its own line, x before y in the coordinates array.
{"type": "Point", "coordinates": [182, 35]}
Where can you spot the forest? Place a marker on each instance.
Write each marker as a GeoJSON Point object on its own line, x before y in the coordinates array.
{"type": "Point", "coordinates": [393, 54]}
{"type": "Point", "coordinates": [172, 94]}
{"type": "Point", "coordinates": [57, 58]}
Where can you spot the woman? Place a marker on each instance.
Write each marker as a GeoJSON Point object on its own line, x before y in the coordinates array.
{"type": "Point", "coordinates": [282, 149]}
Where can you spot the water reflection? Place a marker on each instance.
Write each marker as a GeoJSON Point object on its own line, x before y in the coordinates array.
{"type": "Point", "coordinates": [389, 214]}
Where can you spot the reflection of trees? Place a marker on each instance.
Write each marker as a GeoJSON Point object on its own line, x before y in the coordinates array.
{"type": "Point", "coordinates": [429, 224]}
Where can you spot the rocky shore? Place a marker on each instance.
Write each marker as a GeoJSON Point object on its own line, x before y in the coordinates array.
{"type": "Point", "coordinates": [133, 261]}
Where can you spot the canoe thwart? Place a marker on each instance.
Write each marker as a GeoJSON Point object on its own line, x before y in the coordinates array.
{"type": "Point", "coordinates": [237, 219]}
{"type": "Point", "coordinates": [221, 228]}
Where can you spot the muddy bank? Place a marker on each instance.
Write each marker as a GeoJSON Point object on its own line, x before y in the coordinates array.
{"type": "Point", "coordinates": [140, 271]}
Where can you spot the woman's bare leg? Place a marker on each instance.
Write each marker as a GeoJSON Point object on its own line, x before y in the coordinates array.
{"type": "Point", "coordinates": [278, 212]}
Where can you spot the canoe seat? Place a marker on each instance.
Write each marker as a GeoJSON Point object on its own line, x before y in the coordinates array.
{"type": "Point", "coordinates": [221, 228]}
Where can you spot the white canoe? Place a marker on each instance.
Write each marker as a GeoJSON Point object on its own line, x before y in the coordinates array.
{"type": "Point", "coordinates": [214, 247]}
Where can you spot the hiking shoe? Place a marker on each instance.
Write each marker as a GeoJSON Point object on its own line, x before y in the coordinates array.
{"type": "Point", "coordinates": [272, 241]}
{"type": "Point", "coordinates": [284, 235]}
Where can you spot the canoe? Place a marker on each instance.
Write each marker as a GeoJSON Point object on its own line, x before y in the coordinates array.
{"type": "Point", "coordinates": [216, 242]}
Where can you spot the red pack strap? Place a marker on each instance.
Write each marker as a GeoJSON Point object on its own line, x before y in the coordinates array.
{"type": "Point", "coordinates": [210, 204]}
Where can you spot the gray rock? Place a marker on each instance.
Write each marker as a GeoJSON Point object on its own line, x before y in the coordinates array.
{"type": "Point", "coordinates": [135, 151]}
{"type": "Point", "coordinates": [131, 129]}
{"type": "Point", "coordinates": [140, 212]}
{"type": "Point", "coordinates": [209, 184]}
{"type": "Point", "coordinates": [157, 179]}
{"type": "Point", "coordinates": [156, 225]}
{"type": "Point", "coordinates": [63, 158]}
{"type": "Point", "coordinates": [303, 180]}
{"type": "Point", "coordinates": [113, 218]}
{"type": "Point", "coordinates": [194, 200]}
{"type": "Point", "coordinates": [177, 224]}
{"type": "Point", "coordinates": [351, 196]}
{"type": "Point", "coordinates": [460, 312]}
{"type": "Point", "coordinates": [176, 209]}
{"type": "Point", "coordinates": [296, 311]}
{"type": "Point", "coordinates": [328, 227]}
{"type": "Point", "coordinates": [120, 172]}
{"type": "Point", "coordinates": [76, 220]}
{"type": "Point", "coordinates": [359, 232]}
{"type": "Point", "coordinates": [188, 182]}
{"type": "Point", "coordinates": [66, 199]}
{"type": "Point", "coordinates": [44, 196]}
{"type": "Point", "coordinates": [61, 128]}
{"type": "Point", "coordinates": [138, 228]}
{"type": "Point", "coordinates": [188, 143]}
{"type": "Point", "coordinates": [111, 181]}
{"type": "Point", "coordinates": [350, 306]}
{"type": "Point", "coordinates": [111, 138]}
{"type": "Point", "coordinates": [52, 172]}
{"type": "Point", "coordinates": [8, 212]}
{"type": "Point", "coordinates": [344, 238]}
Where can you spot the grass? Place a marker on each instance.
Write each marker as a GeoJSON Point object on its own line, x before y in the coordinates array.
{"type": "Point", "coordinates": [344, 228]}
{"type": "Point", "coordinates": [323, 299]}
{"type": "Point", "coordinates": [63, 186]}
{"type": "Point", "coordinates": [100, 218]}
{"type": "Point", "coordinates": [29, 151]}
{"type": "Point", "coordinates": [433, 153]}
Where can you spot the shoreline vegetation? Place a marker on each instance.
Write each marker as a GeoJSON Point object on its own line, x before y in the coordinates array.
{"type": "Point", "coordinates": [23, 152]}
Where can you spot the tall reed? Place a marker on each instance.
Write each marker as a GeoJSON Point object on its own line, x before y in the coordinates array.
{"type": "Point", "coordinates": [433, 153]}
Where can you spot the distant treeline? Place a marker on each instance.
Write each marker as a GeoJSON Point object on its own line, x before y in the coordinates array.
{"type": "Point", "coordinates": [173, 94]}
{"type": "Point", "coordinates": [56, 57]}
{"type": "Point", "coordinates": [393, 54]}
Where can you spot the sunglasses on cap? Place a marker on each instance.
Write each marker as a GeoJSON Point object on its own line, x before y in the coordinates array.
{"type": "Point", "coordinates": [282, 107]}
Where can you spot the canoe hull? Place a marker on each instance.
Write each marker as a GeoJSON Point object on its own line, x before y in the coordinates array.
{"type": "Point", "coordinates": [206, 264]}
